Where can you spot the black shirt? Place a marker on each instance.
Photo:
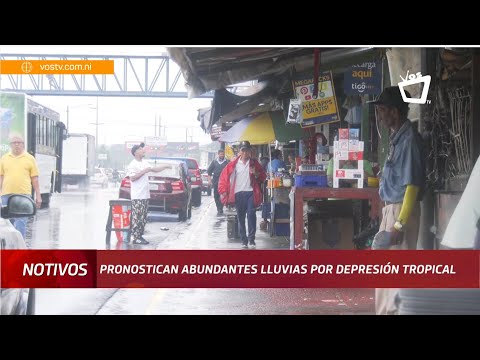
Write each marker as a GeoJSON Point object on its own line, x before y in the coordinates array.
{"type": "Point", "coordinates": [215, 169]}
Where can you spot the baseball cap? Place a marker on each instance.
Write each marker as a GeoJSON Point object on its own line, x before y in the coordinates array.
{"type": "Point", "coordinates": [245, 145]}
{"type": "Point", "coordinates": [391, 96]}
{"type": "Point", "coordinates": [136, 147]}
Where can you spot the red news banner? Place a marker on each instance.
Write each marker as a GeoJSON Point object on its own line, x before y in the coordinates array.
{"type": "Point", "coordinates": [239, 269]}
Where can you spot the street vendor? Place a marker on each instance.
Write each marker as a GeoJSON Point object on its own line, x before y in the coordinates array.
{"type": "Point", "coordinates": [277, 162]}
{"type": "Point", "coordinates": [401, 186]}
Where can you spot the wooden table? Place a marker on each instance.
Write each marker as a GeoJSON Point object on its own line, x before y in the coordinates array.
{"type": "Point", "coordinates": [301, 194]}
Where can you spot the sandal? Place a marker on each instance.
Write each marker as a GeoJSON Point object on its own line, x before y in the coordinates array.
{"type": "Point", "coordinates": [140, 241]}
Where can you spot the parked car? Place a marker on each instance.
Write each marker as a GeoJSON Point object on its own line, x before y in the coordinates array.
{"type": "Point", "coordinates": [196, 179]}
{"type": "Point", "coordinates": [15, 301]}
{"type": "Point", "coordinates": [206, 187]}
{"type": "Point", "coordinates": [109, 173]}
{"type": "Point", "coordinates": [99, 177]}
{"type": "Point", "coordinates": [170, 189]}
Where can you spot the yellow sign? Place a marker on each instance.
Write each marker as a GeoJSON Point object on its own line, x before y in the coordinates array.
{"type": "Point", "coordinates": [229, 152]}
{"type": "Point", "coordinates": [320, 108]}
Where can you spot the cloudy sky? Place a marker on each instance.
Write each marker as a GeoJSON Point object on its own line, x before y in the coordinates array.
{"type": "Point", "coordinates": [122, 118]}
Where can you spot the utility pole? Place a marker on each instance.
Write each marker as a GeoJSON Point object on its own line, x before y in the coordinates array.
{"type": "Point", "coordinates": [159, 126]}
{"type": "Point", "coordinates": [97, 124]}
{"type": "Point", "coordinates": [96, 133]}
{"type": "Point", "coordinates": [68, 111]}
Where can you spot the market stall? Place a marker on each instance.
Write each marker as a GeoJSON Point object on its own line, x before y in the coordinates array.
{"type": "Point", "coordinates": [299, 195]}
{"type": "Point", "coordinates": [337, 188]}
{"type": "Point", "coordinates": [264, 129]}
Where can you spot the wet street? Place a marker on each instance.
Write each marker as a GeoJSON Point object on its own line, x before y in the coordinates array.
{"type": "Point", "coordinates": [77, 219]}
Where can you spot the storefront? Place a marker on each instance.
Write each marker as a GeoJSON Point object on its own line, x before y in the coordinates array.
{"type": "Point", "coordinates": [446, 119]}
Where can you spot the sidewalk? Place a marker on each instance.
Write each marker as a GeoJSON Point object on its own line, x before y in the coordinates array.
{"type": "Point", "coordinates": [263, 240]}
{"type": "Point", "coordinates": [311, 301]}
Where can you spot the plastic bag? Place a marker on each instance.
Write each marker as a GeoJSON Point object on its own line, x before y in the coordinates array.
{"type": "Point", "coordinates": [462, 227]}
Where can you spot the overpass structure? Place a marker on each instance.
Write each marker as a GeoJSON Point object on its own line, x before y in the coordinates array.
{"type": "Point", "coordinates": [134, 76]}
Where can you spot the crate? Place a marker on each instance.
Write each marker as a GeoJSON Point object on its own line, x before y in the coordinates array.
{"type": "Point", "coordinates": [282, 229]}
{"type": "Point", "coordinates": [311, 181]}
{"type": "Point", "coordinates": [266, 210]}
{"type": "Point", "coordinates": [311, 167]}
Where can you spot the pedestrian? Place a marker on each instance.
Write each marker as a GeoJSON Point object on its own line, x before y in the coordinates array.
{"type": "Point", "coordinates": [115, 176]}
{"type": "Point", "coordinates": [18, 174]}
{"type": "Point", "coordinates": [240, 184]}
{"type": "Point", "coordinates": [264, 160]}
{"type": "Point", "coordinates": [291, 164]}
{"type": "Point", "coordinates": [277, 162]}
{"type": "Point", "coordinates": [402, 184]}
{"type": "Point", "coordinates": [214, 171]}
{"type": "Point", "coordinates": [138, 171]}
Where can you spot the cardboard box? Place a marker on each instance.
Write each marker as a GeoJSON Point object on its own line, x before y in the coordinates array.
{"type": "Point", "coordinates": [331, 234]}
{"type": "Point", "coordinates": [343, 134]}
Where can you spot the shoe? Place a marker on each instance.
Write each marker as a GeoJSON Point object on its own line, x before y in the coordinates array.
{"type": "Point", "coordinates": [244, 246]}
{"type": "Point", "coordinates": [220, 212]}
{"type": "Point", "coordinates": [264, 225]}
{"type": "Point", "coordinates": [252, 245]}
{"type": "Point", "coordinates": [140, 241]}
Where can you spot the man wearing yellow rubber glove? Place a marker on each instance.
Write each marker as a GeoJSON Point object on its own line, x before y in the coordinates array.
{"type": "Point", "coordinates": [402, 183]}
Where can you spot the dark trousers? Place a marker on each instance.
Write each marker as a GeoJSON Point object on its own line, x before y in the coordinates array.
{"type": "Point", "coordinates": [245, 207]}
{"type": "Point", "coordinates": [216, 196]}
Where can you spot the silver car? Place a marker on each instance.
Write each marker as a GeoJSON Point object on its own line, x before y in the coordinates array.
{"type": "Point", "coordinates": [15, 301]}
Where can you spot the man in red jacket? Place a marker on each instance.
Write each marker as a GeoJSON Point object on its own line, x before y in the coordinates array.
{"type": "Point", "coordinates": [240, 184]}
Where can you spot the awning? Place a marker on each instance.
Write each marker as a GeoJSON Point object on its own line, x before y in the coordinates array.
{"type": "Point", "coordinates": [264, 128]}
{"type": "Point", "coordinates": [207, 69]}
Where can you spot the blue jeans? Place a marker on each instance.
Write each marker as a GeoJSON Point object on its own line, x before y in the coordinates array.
{"type": "Point", "coordinates": [245, 207]}
{"type": "Point", "coordinates": [19, 223]}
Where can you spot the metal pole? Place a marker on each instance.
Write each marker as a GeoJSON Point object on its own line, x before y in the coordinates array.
{"type": "Point", "coordinates": [68, 111]}
{"type": "Point", "coordinates": [186, 141]}
{"type": "Point", "coordinates": [96, 134]}
{"type": "Point", "coordinates": [159, 125]}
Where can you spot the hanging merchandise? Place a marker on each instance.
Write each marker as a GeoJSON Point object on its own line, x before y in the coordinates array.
{"type": "Point", "coordinates": [354, 116]}
{"type": "Point", "coordinates": [294, 112]}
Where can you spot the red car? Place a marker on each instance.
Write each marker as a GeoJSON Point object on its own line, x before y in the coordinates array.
{"type": "Point", "coordinates": [196, 179]}
{"type": "Point", "coordinates": [170, 189]}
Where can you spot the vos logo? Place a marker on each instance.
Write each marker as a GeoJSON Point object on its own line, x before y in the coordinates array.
{"type": "Point", "coordinates": [414, 79]}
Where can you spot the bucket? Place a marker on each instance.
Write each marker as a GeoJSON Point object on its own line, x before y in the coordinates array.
{"type": "Point", "coordinates": [121, 220]}
{"type": "Point", "coordinates": [287, 182]}
{"type": "Point", "coordinates": [373, 182]}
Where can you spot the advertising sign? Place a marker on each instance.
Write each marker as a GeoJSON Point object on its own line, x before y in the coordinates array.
{"type": "Point", "coordinates": [318, 108]}
{"type": "Point", "coordinates": [363, 79]}
{"type": "Point", "coordinates": [12, 118]}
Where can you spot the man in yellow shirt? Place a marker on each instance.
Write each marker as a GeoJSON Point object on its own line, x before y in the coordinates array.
{"type": "Point", "coordinates": [18, 173]}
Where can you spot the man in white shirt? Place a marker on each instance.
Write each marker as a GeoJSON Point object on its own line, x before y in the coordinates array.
{"type": "Point", "coordinates": [138, 171]}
